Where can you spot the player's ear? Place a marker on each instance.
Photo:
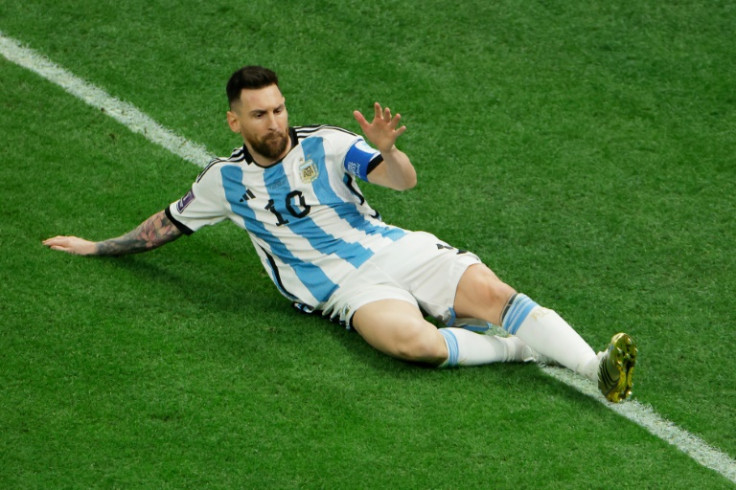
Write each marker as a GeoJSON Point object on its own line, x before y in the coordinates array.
{"type": "Point", "coordinates": [233, 120]}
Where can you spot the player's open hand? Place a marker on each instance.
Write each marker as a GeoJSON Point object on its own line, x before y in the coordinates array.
{"type": "Point", "coordinates": [384, 130]}
{"type": "Point", "coordinates": [71, 244]}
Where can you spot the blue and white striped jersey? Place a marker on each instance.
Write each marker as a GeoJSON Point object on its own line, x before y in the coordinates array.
{"type": "Point", "coordinates": [306, 217]}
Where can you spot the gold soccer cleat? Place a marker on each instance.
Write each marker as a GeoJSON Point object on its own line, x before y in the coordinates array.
{"type": "Point", "coordinates": [616, 368]}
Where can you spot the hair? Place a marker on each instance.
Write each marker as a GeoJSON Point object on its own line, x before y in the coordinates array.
{"type": "Point", "coordinates": [249, 77]}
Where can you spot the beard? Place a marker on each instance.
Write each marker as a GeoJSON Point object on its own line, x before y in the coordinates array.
{"type": "Point", "coordinates": [271, 146]}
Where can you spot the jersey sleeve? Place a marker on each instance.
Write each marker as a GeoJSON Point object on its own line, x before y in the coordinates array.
{"type": "Point", "coordinates": [202, 205]}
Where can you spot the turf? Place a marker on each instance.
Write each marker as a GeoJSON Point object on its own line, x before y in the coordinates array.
{"type": "Point", "coordinates": [586, 152]}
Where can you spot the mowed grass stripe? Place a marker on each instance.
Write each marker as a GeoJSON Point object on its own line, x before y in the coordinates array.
{"type": "Point", "coordinates": [140, 123]}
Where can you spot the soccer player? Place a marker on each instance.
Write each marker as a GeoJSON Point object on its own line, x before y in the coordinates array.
{"type": "Point", "coordinates": [294, 190]}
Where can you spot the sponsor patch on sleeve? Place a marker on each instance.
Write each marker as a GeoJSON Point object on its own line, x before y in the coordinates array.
{"type": "Point", "coordinates": [185, 201]}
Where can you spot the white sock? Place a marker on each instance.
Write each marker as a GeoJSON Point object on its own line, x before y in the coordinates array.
{"type": "Point", "coordinates": [546, 332]}
{"type": "Point", "coordinates": [466, 348]}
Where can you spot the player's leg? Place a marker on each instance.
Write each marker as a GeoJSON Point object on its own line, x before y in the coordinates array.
{"type": "Point", "coordinates": [398, 328]}
{"type": "Point", "coordinates": [481, 294]}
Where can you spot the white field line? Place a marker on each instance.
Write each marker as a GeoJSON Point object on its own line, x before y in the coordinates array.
{"type": "Point", "coordinates": [124, 113]}
{"type": "Point", "coordinates": [139, 122]}
{"type": "Point", "coordinates": [647, 418]}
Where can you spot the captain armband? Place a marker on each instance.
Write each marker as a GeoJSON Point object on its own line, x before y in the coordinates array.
{"type": "Point", "coordinates": [361, 159]}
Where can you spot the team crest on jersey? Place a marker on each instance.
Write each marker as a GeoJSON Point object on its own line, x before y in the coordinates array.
{"type": "Point", "coordinates": [308, 171]}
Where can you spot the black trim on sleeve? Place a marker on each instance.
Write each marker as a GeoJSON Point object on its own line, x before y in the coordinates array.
{"type": "Point", "coordinates": [374, 163]}
{"type": "Point", "coordinates": [182, 228]}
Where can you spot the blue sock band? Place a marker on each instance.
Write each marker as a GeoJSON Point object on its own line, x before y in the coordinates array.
{"type": "Point", "coordinates": [516, 312]}
{"type": "Point", "coordinates": [452, 349]}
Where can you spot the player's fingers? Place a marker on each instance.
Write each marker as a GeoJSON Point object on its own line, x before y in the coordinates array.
{"type": "Point", "coordinates": [377, 110]}
{"type": "Point", "coordinates": [60, 243]}
{"type": "Point", "coordinates": [360, 118]}
{"type": "Point", "coordinates": [53, 241]}
{"type": "Point", "coordinates": [387, 115]}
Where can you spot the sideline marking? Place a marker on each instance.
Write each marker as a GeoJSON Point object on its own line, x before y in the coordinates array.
{"type": "Point", "coordinates": [123, 112]}
{"type": "Point", "coordinates": [644, 416]}
{"type": "Point", "coordinates": [138, 122]}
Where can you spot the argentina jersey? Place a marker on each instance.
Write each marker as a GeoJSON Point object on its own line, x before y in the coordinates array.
{"type": "Point", "coordinates": [307, 219]}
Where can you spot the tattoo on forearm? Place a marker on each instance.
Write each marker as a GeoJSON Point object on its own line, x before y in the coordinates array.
{"type": "Point", "coordinates": [154, 232]}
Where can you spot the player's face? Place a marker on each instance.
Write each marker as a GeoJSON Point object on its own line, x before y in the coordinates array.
{"type": "Point", "coordinates": [261, 118]}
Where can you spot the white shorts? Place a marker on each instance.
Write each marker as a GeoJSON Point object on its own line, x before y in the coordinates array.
{"type": "Point", "coordinates": [419, 268]}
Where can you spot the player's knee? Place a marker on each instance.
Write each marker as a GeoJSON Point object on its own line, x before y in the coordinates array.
{"type": "Point", "coordinates": [481, 294]}
{"type": "Point", "coordinates": [498, 292]}
{"type": "Point", "coordinates": [420, 342]}
{"type": "Point", "coordinates": [490, 289]}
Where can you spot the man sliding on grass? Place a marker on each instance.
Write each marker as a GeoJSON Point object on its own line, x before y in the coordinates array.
{"type": "Point", "coordinates": [294, 190]}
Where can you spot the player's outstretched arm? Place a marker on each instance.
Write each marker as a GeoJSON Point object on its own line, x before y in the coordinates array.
{"type": "Point", "coordinates": [396, 170]}
{"type": "Point", "coordinates": [152, 233]}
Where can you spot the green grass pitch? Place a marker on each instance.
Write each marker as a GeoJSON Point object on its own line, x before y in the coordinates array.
{"type": "Point", "coordinates": [586, 151]}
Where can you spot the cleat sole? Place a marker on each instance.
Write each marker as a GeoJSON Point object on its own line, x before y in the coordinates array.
{"type": "Point", "coordinates": [623, 353]}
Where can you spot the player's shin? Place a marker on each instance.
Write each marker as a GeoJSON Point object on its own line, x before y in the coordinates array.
{"type": "Point", "coordinates": [546, 332]}
{"type": "Point", "coordinates": [466, 348]}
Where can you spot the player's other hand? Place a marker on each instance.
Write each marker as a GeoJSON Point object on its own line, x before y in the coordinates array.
{"type": "Point", "coordinates": [384, 130]}
{"type": "Point", "coordinates": [71, 245]}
